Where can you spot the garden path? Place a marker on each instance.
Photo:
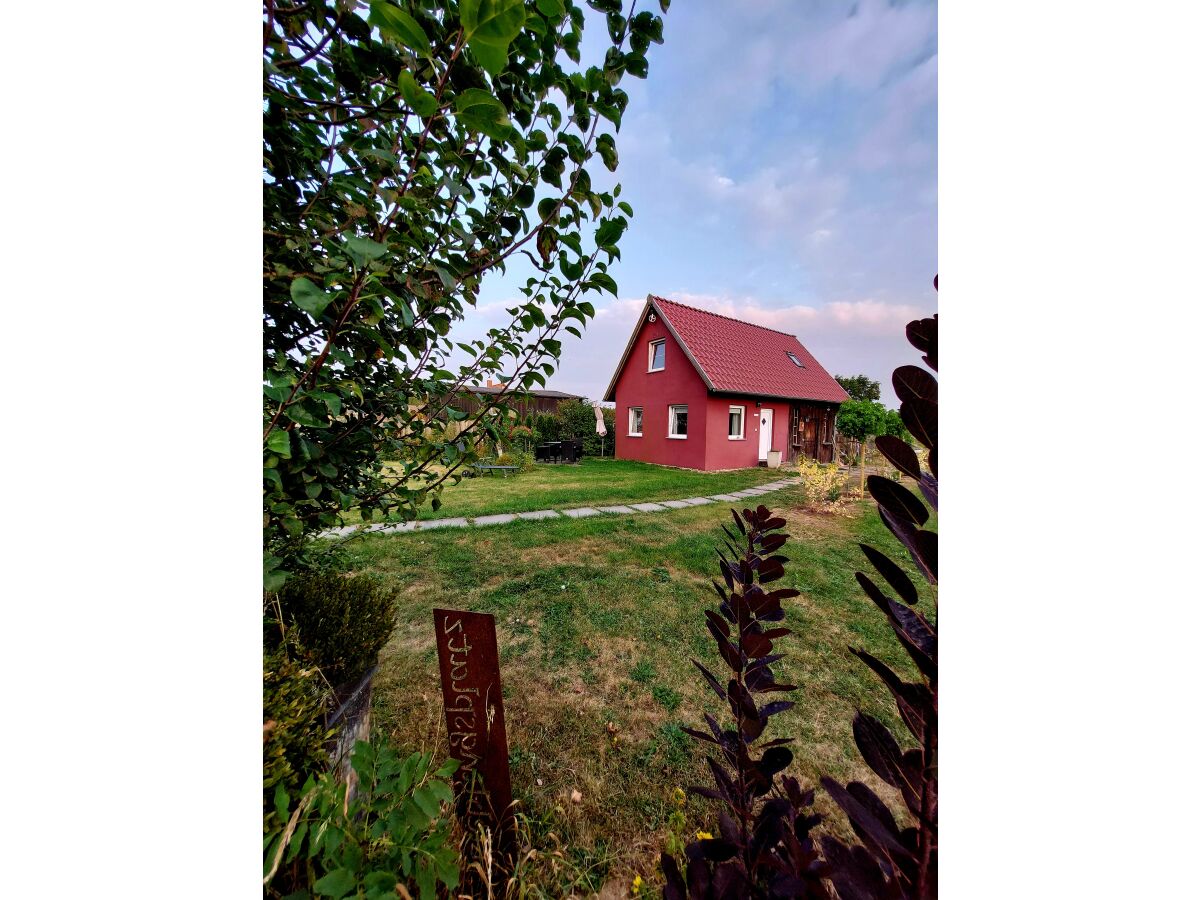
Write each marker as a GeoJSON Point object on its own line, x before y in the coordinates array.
{"type": "Point", "coordinates": [577, 512]}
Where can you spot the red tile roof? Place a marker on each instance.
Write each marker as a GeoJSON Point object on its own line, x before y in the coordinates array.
{"type": "Point", "coordinates": [740, 358]}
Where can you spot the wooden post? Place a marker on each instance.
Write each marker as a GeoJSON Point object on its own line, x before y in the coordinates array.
{"type": "Point", "coordinates": [471, 694]}
{"type": "Point", "coordinates": [862, 468]}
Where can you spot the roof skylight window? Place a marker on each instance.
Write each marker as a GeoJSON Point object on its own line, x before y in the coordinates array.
{"type": "Point", "coordinates": [793, 358]}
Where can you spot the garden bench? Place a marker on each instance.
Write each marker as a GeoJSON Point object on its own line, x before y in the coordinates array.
{"type": "Point", "coordinates": [492, 469]}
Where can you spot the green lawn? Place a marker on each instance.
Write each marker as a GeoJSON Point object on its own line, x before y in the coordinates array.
{"type": "Point", "coordinates": [592, 481]}
{"type": "Point", "coordinates": [597, 620]}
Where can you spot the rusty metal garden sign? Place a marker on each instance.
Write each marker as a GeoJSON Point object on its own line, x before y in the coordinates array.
{"type": "Point", "coordinates": [470, 669]}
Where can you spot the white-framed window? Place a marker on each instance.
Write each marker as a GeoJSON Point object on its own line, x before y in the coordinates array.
{"type": "Point", "coordinates": [635, 421]}
{"type": "Point", "coordinates": [677, 423]}
{"type": "Point", "coordinates": [658, 356]}
{"type": "Point", "coordinates": [737, 423]}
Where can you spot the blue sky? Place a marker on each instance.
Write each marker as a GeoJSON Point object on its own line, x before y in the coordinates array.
{"type": "Point", "coordinates": [781, 160]}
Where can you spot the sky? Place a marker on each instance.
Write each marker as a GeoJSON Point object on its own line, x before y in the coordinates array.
{"type": "Point", "coordinates": [781, 160]}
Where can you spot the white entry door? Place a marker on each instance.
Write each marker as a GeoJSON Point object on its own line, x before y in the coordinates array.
{"type": "Point", "coordinates": [766, 425]}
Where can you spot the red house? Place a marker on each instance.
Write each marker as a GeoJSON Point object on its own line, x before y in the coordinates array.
{"type": "Point", "coordinates": [703, 391]}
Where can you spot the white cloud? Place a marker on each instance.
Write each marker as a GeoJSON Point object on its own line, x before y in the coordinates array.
{"type": "Point", "coordinates": [815, 146]}
{"type": "Point", "coordinates": [896, 138]}
{"type": "Point", "coordinates": [866, 317]}
{"type": "Point", "coordinates": [770, 202]}
{"type": "Point", "coordinates": [863, 48]}
{"type": "Point", "coordinates": [800, 46]}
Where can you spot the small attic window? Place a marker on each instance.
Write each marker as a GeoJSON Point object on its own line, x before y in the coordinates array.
{"type": "Point", "coordinates": [793, 358]}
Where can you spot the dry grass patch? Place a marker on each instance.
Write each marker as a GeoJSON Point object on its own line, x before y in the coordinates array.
{"type": "Point", "coordinates": [587, 551]}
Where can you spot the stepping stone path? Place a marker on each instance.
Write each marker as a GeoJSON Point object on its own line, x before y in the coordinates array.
{"type": "Point", "coordinates": [501, 519]}
{"type": "Point", "coordinates": [578, 512]}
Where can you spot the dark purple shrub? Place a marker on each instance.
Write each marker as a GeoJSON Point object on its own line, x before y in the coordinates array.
{"type": "Point", "coordinates": [763, 848]}
{"type": "Point", "coordinates": [890, 861]}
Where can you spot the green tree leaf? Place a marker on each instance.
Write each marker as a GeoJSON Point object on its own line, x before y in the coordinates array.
{"type": "Point", "coordinates": [636, 65]}
{"type": "Point", "coordinates": [648, 25]}
{"type": "Point", "coordinates": [492, 21]}
{"type": "Point", "coordinates": [493, 57]}
{"type": "Point", "coordinates": [423, 103]}
{"type": "Point", "coordinates": [480, 111]}
{"type": "Point", "coordinates": [363, 249]}
{"type": "Point", "coordinates": [604, 281]}
{"type": "Point", "coordinates": [399, 26]}
{"type": "Point", "coordinates": [301, 416]}
{"type": "Point", "coordinates": [610, 231]}
{"type": "Point", "coordinates": [607, 148]}
{"type": "Point", "coordinates": [332, 401]}
{"type": "Point", "coordinates": [273, 578]}
{"type": "Point", "coordinates": [480, 102]}
{"type": "Point", "coordinates": [551, 9]}
{"type": "Point", "coordinates": [309, 297]}
{"type": "Point", "coordinates": [336, 884]}
{"type": "Point", "coordinates": [279, 442]}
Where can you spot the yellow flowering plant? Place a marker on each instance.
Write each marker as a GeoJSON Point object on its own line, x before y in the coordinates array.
{"type": "Point", "coordinates": [823, 482]}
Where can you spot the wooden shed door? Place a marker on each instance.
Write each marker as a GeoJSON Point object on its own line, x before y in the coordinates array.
{"type": "Point", "coordinates": [828, 435]}
{"type": "Point", "coordinates": [804, 431]}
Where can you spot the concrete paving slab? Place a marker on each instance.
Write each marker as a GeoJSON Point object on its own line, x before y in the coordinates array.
{"type": "Point", "coordinates": [616, 509]}
{"type": "Point", "coordinates": [459, 522]}
{"type": "Point", "coordinates": [648, 507]}
{"type": "Point", "coordinates": [697, 501]}
{"type": "Point", "coordinates": [538, 514]}
{"type": "Point", "coordinates": [675, 504]}
{"type": "Point", "coordinates": [725, 498]}
{"type": "Point", "coordinates": [401, 528]}
{"type": "Point", "coordinates": [498, 519]}
{"type": "Point", "coordinates": [581, 512]}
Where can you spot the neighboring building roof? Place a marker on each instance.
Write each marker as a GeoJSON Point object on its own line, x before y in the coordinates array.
{"type": "Point", "coordinates": [735, 357]}
{"type": "Point", "coordinates": [554, 395]}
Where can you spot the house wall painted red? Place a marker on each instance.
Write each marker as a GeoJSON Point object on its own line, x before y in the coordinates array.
{"type": "Point", "coordinates": [724, 453]}
{"type": "Point", "coordinates": [655, 392]}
